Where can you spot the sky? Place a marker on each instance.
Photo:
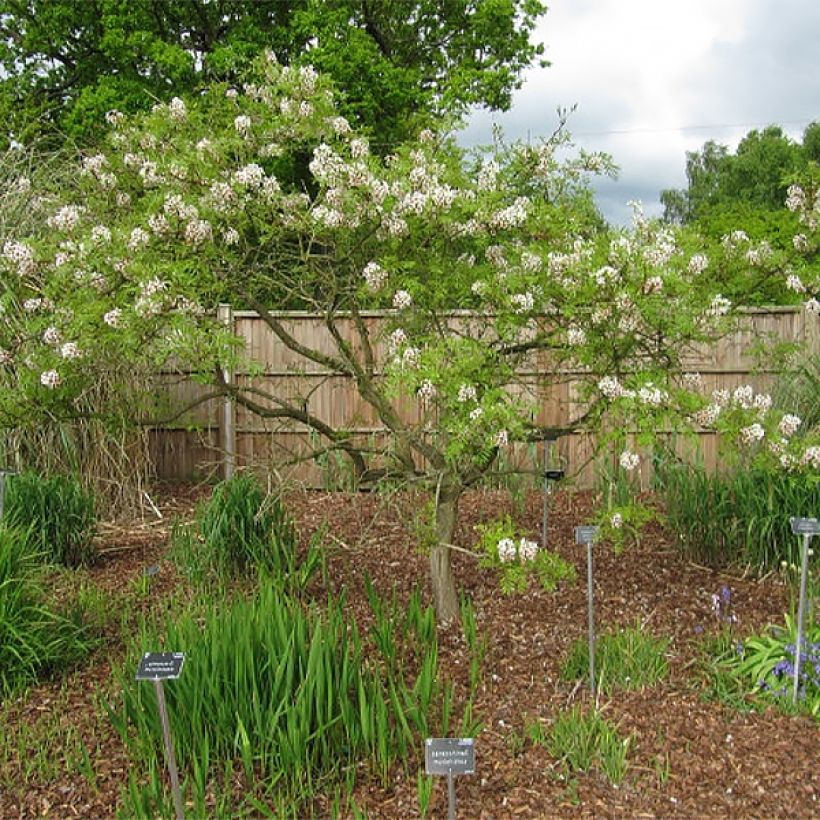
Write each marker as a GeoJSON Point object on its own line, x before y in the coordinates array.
{"type": "Point", "coordinates": [653, 79]}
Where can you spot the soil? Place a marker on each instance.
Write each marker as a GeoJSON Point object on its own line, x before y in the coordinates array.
{"type": "Point", "coordinates": [688, 756]}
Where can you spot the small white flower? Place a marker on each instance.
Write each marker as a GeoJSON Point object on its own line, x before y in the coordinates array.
{"type": "Point", "coordinates": [789, 424]}
{"type": "Point", "coordinates": [506, 550]}
{"type": "Point", "coordinates": [242, 124]}
{"type": "Point", "coordinates": [616, 521]}
{"type": "Point", "coordinates": [70, 351]}
{"type": "Point", "coordinates": [138, 238]}
{"type": "Point", "coordinates": [502, 438]}
{"type": "Point", "coordinates": [476, 413]}
{"type": "Point", "coordinates": [52, 336]}
{"type": "Point", "coordinates": [629, 460]}
{"type": "Point", "coordinates": [374, 275]}
{"type": "Point", "coordinates": [466, 393]}
{"type": "Point", "coordinates": [527, 550]}
{"type": "Point", "coordinates": [751, 434]}
{"type": "Point", "coordinates": [177, 109]}
{"type": "Point", "coordinates": [402, 300]}
{"type": "Point", "coordinates": [50, 379]}
{"type": "Point", "coordinates": [426, 390]}
{"type": "Point", "coordinates": [576, 336]}
{"type": "Point", "coordinates": [113, 318]}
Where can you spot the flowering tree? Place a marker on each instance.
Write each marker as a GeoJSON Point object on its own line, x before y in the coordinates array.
{"type": "Point", "coordinates": [186, 205]}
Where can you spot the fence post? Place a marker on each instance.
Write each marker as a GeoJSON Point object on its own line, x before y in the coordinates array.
{"type": "Point", "coordinates": [227, 426]}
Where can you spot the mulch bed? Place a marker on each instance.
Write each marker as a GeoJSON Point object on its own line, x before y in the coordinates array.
{"type": "Point", "coordinates": [688, 757]}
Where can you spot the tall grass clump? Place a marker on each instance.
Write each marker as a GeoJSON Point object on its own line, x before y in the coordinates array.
{"type": "Point", "coordinates": [738, 518]}
{"type": "Point", "coordinates": [275, 703]}
{"type": "Point", "coordinates": [34, 640]}
{"type": "Point", "coordinates": [626, 659]}
{"type": "Point", "coordinates": [57, 513]}
{"type": "Point", "coordinates": [240, 531]}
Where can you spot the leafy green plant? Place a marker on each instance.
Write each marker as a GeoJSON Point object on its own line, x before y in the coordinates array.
{"type": "Point", "coordinates": [517, 559]}
{"type": "Point", "coordinates": [57, 512]}
{"type": "Point", "coordinates": [283, 691]}
{"type": "Point", "coordinates": [763, 666]}
{"type": "Point", "coordinates": [626, 659]}
{"type": "Point", "coordinates": [584, 740]}
{"type": "Point", "coordinates": [34, 640]}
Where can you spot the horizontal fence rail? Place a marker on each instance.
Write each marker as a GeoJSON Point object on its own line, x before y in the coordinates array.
{"type": "Point", "coordinates": [217, 436]}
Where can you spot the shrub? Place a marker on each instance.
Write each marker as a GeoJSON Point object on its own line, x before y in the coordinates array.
{"type": "Point", "coordinates": [58, 515]}
{"type": "Point", "coordinates": [627, 659]}
{"type": "Point", "coordinates": [281, 689]}
{"type": "Point", "coordinates": [34, 640]}
{"type": "Point", "coordinates": [240, 531]}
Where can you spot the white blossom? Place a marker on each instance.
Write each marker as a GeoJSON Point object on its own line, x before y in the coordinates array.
{"type": "Point", "coordinates": [523, 302]}
{"type": "Point", "coordinates": [793, 282]}
{"type": "Point", "coordinates": [811, 457]}
{"type": "Point", "coordinates": [100, 235]}
{"type": "Point", "coordinates": [629, 460]}
{"type": "Point", "coordinates": [576, 336]}
{"type": "Point", "coordinates": [506, 550]}
{"type": "Point", "coordinates": [70, 350]}
{"type": "Point", "coordinates": [751, 434]}
{"type": "Point", "coordinates": [698, 263]}
{"type": "Point", "coordinates": [476, 413]}
{"type": "Point", "coordinates": [198, 231]}
{"type": "Point", "coordinates": [426, 390]}
{"type": "Point", "coordinates": [789, 424]}
{"type": "Point", "coordinates": [611, 387]}
{"type": "Point", "coordinates": [242, 124]}
{"type": "Point", "coordinates": [502, 438]}
{"type": "Point", "coordinates": [113, 318]}
{"type": "Point", "coordinates": [20, 255]}
{"type": "Point", "coordinates": [138, 238]}
{"type": "Point", "coordinates": [177, 109]}
{"type": "Point", "coordinates": [527, 550]}
{"type": "Point", "coordinates": [374, 275]}
{"type": "Point", "coordinates": [616, 521]}
{"type": "Point", "coordinates": [52, 336]}
{"type": "Point", "coordinates": [66, 218]}
{"type": "Point", "coordinates": [50, 379]}
{"type": "Point", "coordinates": [251, 175]}
{"type": "Point", "coordinates": [402, 300]}
{"type": "Point", "coordinates": [230, 236]}
{"type": "Point", "coordinates": [466, 392]}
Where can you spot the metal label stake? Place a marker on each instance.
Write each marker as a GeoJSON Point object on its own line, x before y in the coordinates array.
{"type": "Point", "coordinates": [587, 535]}
{"type": "Point", "coordinates": [157, 667]}
{"type": "Point", "coordinates": [450, 756]}
{"type": "Point", "coordinates": [550, 475]}
{"type": "Point", "coordinates": [807, 527]}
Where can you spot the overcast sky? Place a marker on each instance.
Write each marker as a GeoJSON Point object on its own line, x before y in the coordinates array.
{"type": "Point", "coordinates": [655, 78]}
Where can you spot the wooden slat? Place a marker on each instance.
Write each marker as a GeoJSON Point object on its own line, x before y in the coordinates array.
{"type": "Point", "coordinates": [190, 447]}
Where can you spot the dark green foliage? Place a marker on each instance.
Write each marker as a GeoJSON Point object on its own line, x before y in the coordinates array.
{"type": "Point", "coordinates": [58, 514]}
{"type": "Point", "coordinates": [282, 692]}
{"type": "Point", "coordinates": [738, 518]}
{"type": "Point", "coordinates": [67, 63]}
{"type": "Point", "coordinates": [34, 640]}
{"type": "Point", "coordinates": [626, 659]}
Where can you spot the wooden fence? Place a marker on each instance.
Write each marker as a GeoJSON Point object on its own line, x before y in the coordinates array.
{"type": "Point", "coordinates": [195, 446]}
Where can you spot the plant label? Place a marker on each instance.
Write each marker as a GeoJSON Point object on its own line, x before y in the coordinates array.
{"type": "Point", "coordinates": [586, 534]}
{"type": "Point", "coordinates": [449, 755]}
{"type": "Point", "coordinates": [160, 666]}
{"type": "Point", "coordinates": [553, 475]}
{"type": "Point", "coordinates": [805, 526]}
{"type": "Point", "coordinates": [152, 570]}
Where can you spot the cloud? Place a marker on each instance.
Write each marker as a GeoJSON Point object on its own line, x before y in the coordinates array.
{"type": "Point", "coordinates": [654, 80]}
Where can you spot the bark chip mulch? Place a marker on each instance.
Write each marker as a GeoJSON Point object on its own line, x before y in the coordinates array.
{"type": "Point", "coordinates": [688, 757]}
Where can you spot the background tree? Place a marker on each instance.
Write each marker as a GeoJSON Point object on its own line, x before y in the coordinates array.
{"type": "Point", "coordinates": [66, 63]}
{"type": "Point", "coordinates": [747, 188]}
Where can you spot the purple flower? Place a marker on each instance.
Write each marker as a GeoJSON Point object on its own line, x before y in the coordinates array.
{"type": "Point", "coordinates": [726, 594]}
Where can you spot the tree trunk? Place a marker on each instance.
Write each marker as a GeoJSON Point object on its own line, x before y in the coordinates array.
{"type": "Point", "coordinates": [445, 594]}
